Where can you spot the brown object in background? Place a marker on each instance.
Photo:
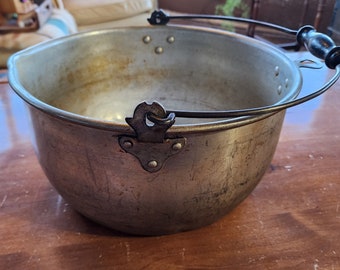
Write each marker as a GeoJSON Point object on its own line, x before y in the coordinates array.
{"type": "Point", "coordinates": [294, 14]}
{"type": "Point", "coordinates": [288, 13]}
{"type": "Point", "coordinates": [191, 6]}
{"type": "Point", "coordinates": [2, 19]}
{"type": "Point", "coordinates": [16, 6]}
{"type": "Point", "coordinates": [25, 22]}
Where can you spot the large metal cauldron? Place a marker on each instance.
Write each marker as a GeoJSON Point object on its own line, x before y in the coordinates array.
{"type": "Point", "coordinates": [155, 172]}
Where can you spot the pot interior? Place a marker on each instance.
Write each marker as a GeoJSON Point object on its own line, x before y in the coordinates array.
{"type": "Point", "coordinates": [104, 75]}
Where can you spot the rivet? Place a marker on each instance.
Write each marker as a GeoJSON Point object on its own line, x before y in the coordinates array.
{"type": "Point", "coordinates": [152, 164]}
{"type": "Point", "coordinates": [287, 83]}
{"type": "Point", "coordinates": [147, 39]}
{"type": "Point", "coordinates": [277, 71]}
{"type": "Point", "coordinates": [128, 144]}
{"type": "Point", "coordinates": [279, 90]}
{"type": "Point", "coordinates": [171, 39]}
{"type": "Point", "coordinates": [159, 50]}
{"type": "Point", "coordinates": [177, 146]}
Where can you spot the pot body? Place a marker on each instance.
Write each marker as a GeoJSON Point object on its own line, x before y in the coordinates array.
{"type": "Point", "coordinates": [79, 100]}
{"type": "Point", "coordinates": [198, 186]}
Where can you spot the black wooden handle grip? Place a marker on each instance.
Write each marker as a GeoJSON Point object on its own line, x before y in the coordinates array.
{"type": "Point", "coordinates": [320, 45]}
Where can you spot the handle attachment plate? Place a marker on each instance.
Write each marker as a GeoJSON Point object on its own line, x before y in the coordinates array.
{"type": "Point", "coordinates": [150, 145]}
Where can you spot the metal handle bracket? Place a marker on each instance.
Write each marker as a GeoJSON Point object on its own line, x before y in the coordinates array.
{"type": "Point", "coordinates": [150, 145]}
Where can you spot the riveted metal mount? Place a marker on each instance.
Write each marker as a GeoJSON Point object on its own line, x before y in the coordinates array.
{"type": "Point", "coordinates": [150, 145]}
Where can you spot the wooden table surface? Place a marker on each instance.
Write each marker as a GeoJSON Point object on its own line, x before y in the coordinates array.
{"type": "Point", "coordinates": [290, 221]}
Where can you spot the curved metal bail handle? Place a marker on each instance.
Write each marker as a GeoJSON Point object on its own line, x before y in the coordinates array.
{"type": "Point", "coordinates": [258, 110]}
{"type": "Point", "coordinates": [159, 17]}
{"type": "Point", "coordinates": [318, 44]}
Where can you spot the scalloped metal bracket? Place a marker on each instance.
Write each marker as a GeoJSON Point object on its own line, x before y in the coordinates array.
{"type": "Point", "coordinates": [150, 145]}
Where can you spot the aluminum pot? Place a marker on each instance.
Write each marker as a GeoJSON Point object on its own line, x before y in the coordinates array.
{"type": "Point", "coordinates": [155, 173]}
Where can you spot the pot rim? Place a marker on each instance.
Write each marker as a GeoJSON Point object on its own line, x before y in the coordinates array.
{"type": "Point", "coordinates": [218, 124]}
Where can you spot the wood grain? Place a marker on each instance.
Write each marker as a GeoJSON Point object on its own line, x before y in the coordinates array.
{"type": "Point", "coordinates": [290, 221]}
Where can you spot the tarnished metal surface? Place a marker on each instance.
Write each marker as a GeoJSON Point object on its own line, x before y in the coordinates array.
{"type": "Point", "coordinates": [105, 74]}
{"type": "Point", "coordinates": [214, 173]}
{"type": "Point", "coordinates": [79, 102]}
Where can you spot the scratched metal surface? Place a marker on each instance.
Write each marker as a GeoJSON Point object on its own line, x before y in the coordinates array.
{"type": "Point", "coordinates": [290, 221]}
